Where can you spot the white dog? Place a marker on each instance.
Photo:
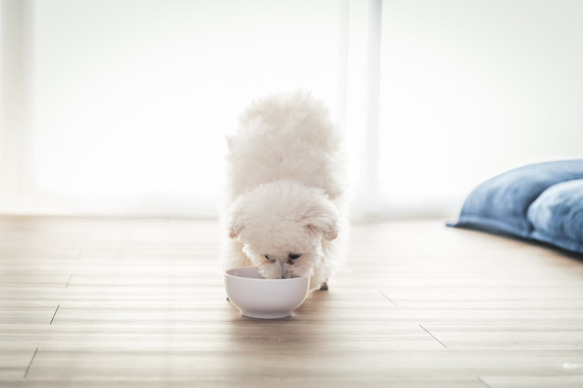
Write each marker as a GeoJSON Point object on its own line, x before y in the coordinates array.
{"type": "Point", "coordinates": [286, 190]}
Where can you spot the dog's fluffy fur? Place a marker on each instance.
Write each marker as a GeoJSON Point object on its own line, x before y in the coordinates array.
{"type": "Point", "coordinates": [285, 190]}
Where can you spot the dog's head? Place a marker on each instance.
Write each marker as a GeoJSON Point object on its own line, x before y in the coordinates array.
{"type": "Point", "coordinates": [281, 226]}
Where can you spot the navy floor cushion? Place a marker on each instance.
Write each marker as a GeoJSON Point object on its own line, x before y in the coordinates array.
{"type": "Point", "coordinates": [542, 202]}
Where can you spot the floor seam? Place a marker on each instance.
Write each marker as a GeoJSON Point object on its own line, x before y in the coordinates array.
{"type": "Point", "coordinates": [483, 382]}
{"type": "Point", "coordinates": [389, 299]}
{"type": "Point", "coordinates": [30, 363]}
{"type": "Point", "coordinates": [69, 281]}
{"type": "Point", "coordinates": [434, 337]}
{"type": "Point", "coordinates": [52, 319]}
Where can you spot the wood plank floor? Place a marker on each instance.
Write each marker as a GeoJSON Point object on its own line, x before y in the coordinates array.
{"type": "Point", "coordinates": [140, 303]}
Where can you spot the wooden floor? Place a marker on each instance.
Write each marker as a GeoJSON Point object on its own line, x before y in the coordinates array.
{"type": "Point", "coordinates": [140, 303]}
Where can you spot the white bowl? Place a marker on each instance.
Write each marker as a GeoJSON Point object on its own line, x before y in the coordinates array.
{"type": "Point", "coordinates": [257, 297]}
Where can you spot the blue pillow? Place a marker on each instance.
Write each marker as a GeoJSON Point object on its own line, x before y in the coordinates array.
{"type": "Point", "coordinates": [557, 215]}
{"type": "Point", "coordinates": [502, 204]}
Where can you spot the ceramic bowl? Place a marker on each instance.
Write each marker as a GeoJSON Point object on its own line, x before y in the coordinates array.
{"type": "Point", "coordinates": [256, 297]}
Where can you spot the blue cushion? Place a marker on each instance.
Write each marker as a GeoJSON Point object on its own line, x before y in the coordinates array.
{"type": "Point", "coordinates": [520, 202]}
{"type": "Point", "coordinates": [557, 215]}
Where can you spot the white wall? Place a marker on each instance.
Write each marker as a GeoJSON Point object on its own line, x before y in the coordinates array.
{"type": "Point", "coordinates": [471, 88]}
{"type": "Point", "coordinates": [124, 104]}
{"type": "Point", "coordinates": [132, 98]}
{"type": "Point", "coordinates": [13, 96]}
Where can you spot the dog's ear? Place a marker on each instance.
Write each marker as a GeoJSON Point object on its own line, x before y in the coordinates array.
{"type": "Point", "coordinates": [236, 221]}
{"type": "Point", "coordinates": [234, 230]}
{"type": "Point", "coordinates": [322, 218]}
{"type": "Point", "coordinates": [229, 141]}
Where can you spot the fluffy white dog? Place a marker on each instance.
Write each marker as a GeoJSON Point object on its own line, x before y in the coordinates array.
{"type": "Point", "coordinates": [285, 190]}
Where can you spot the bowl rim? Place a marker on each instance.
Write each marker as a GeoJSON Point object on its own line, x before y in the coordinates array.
{"type": "Point", "coordinates": [227, 274]}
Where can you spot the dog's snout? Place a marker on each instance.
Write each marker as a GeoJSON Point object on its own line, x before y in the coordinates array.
{"type": "Point", "coordinates": [284, 272]}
